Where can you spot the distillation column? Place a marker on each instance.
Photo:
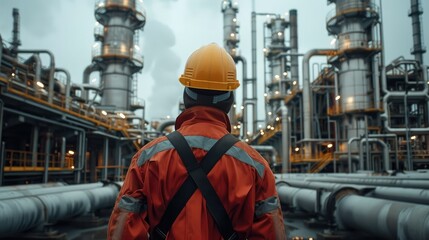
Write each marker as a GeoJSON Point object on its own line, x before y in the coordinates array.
{"type": "Point", "coordinates": [279, 83]}
{"type": "Point", "coordinates": [117, 52]}
{"type": "Point", "coordinates": [353, 22]}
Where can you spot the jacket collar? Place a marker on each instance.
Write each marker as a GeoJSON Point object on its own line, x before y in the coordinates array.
{"type": "Point", "coordinates": [200, 114]}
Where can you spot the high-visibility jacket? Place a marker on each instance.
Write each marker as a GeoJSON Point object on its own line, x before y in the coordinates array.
{"type": "Point", "coordinates": [241, 178]}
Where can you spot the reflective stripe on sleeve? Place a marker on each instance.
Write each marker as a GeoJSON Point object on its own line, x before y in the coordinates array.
{"type": "Point", "coordinates": [132, 204]}
{"type": "Point", "coordinates": [265, 206]}
{"type": "Point", "coordinates": [202, 143]}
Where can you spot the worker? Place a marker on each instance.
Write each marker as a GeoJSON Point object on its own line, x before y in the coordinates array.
{"type": "Point", "coordinates": [199, 182]}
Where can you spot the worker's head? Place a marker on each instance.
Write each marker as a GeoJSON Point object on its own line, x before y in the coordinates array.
{"type": "Point", "coordinates": [209, 78]}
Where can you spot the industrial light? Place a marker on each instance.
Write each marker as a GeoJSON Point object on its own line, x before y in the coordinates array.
{"type": "Point", "coordinates": [279, 34]}
{"type": "Point", "coordinates": [247, 140]}
{"type": "Point", "coordinates": [284, 73]}
{"type": "Point", "coordinates": [234, 19]}
{"type": "Point", "coordinates": [277, 92]}
{"type": "Point", "coordinates": [268, 126]}
{"type": "Point", "coordinates": [265, 50]}
{"type": "Point", "coordinates": [337, 97]}
{"type": "Point", "coordinates": [277, 119]}
{"type": "Point", "coordinates": [71, 152]}
{"type": "Point", "coordinates": [270, 113]}
{"type": "Point", "coordinates": [262, 132]}
{"type": "Point", "coordinates": [235, 127]}
{"type": "Point", "coordinates": [265, 94]}
{"type": "Point", "coordinates": [168, 116]}
{"type": "Point", "coordinates": [277, 77]}
{"type": "Point", "coordinates": [242, 107]}
{"type": "Point", "coordinates": [333, 41]}
{"type": "Point", "coordinates": [121, 115]}
{"type": "Point", "coordinates": [12, 74]}
{"type": "Point", "coordinates": [248, 133]}
{"type": "Point", "coordinates": [296, 149]}
{"type": "Point", "coordinates": [413, 137]}
{"type": "Point", "coordinates": [294, 83]}
{"type": "Point", "coordinates": [72, 167]}
{"type": "Point", "coordinates": [40, 84]}
{"type": "Point", "coordinates": [234, 106]}
{"type": "Point", "coordinates": [238, 126]}
{"type": "Point", "coordinates": [330, 145]}
{"type": "Point", "coordinates": [104, 112]}
{"type": "Point", "coordinates": [272, 128]}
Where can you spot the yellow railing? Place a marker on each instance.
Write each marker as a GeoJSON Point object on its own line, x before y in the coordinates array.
{"type": "Point", "coordinates": [83, 111]}
{"type": "Point", "coordinates": [23, 161]}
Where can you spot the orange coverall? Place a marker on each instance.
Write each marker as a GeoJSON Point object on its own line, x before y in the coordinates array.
{"type": "Point", "coordinates": [242, 179]}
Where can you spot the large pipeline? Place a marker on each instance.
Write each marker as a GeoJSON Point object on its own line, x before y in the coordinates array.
{"type": "Point", "coordinates": [26, 213]}
{"type": "Point", "coordinates": [350, 211]}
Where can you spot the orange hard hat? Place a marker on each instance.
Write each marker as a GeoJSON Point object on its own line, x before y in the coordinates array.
{"type": "Point", "coordinates": [211, 68]}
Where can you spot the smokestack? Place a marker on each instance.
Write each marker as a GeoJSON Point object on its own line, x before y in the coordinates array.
{"type": "Point", "coordinates": [418, 48]}
{"type": "Point", "coordinates": [16, 42]}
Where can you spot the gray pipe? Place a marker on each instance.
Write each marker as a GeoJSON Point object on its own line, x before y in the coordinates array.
{"type": "Point", "coordinates": [22, 191]}
{"type": "Point", "coordinates": [22, 214]}
{"type": "Point", "coordinates": [294, 69]}
{"type": "Point", "coordinates": [382, 218]}
{"type": "Point", "coordinates": [386, 162]}
{"type": "Point", "coordinates": [349, 152]}
{"type": "Point", "coordinates": [285, 139]}
{"type": "Point", "coordinates": [374, 182]}
{"type": "Point", "coordinates": [25, 187]}
{"type": "Point", "coordinates": [2, 159]}
{"type": "Point", "coordinates": [411, 195]}
{"type": "Point", "coordinates": [68, 82]}
{"type": "Point", "coordinates": [51, 71]}
{"type": "Point", "coordinates": [86, 73]}
{"type": "Point", "coordinates": [308, 118]}
{"type": "Point", "coordinates": [38, 66]}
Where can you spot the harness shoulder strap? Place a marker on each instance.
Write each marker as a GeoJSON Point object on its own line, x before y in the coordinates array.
{"type": "Point", "coordinates": [198, 179]}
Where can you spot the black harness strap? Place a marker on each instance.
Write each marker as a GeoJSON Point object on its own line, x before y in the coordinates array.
{"type": "Point", "coordinates": [197, 179]}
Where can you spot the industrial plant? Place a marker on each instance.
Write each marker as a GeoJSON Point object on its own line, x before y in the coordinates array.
{"type": "Point", "coordinates": [349, 145]}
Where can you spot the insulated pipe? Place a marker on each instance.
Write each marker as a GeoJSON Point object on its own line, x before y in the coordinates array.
{"type": "Point", "coordinates": [308, 117]}
{"type": "Point", "coordinates": [349, 152]}
{"type": "Point", "coordinates": [411, 195]}
{"type": "Point", "coordinates": [2, 159]}
{"type": "Point", "coordinates": [383, 218]}
{"type": "Point", "coordinates": [38, 66]}
{"type": "Point", "coordinates": [386, 162]}
{"type": "Point", "coordinates": [394, 136]}
{"type": "Point", "coordinates": [402, 183]}
{"type": "Point", "coordinates": [246, 99]}
{"type": "Point", "coordinates": [22, 214]}
{"type": "Point", "coordinates": [51, 71]}
{"type": "Point", "coordinates": [18, 188]}
{"type": "Point", "coordinates": [285, 139]}
{"type": "Point", "coordinates": [294, 69]}
{"type": "Point", "coordinates": [43, 189]}
{"type": "Point", "coordinates": [86, 73]}
{"type": "Point", "coordinates": [68, 81]}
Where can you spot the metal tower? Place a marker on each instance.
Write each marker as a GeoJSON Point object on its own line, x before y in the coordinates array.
{"type": "Point", "coordinates": [116, 51]}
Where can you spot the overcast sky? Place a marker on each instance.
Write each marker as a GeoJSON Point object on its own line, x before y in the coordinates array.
{"type": "Point", "coordinates": [175, 28]}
